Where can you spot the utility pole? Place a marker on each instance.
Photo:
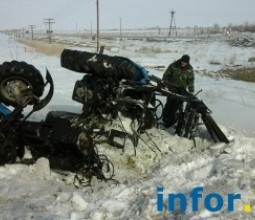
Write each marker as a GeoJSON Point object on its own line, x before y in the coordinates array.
{"type": "Point", "coordinates": [91, 32]}
{"type": "Point", "coordinates": [120, 30]}
{"type": "Point", "coordinates": [23, 32]}
{"type": "Point", "coordinates": [49, 22]}
{"type": "Point", "coordinates": [76, 29]}
{"type": "Point", "coordinates": [97, 25]}
{"type": "Point", "coordinates": [32, 30]}
{"type": "Point", "coordinates": [172, 23]}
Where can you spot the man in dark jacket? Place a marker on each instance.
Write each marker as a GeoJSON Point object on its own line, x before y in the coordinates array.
{"type": "Point", "coordinates": [179, 73]}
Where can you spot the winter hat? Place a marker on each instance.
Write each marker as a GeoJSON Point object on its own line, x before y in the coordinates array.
{"type": "Point", "coordinates": [185, 58]}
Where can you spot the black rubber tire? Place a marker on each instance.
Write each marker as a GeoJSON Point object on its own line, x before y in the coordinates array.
{"type": "Point", "coordinates": [100, 65]}
{"type": "Point", "coordinates": [8, 151]}
{"type": "Point", "coordinates": [21, 71]}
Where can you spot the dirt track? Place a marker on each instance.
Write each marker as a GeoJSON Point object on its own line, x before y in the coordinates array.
{"type": "Point", "coordinates": [53, 49]}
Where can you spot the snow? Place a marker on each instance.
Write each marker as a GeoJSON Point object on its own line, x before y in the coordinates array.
{"type": "Point", "coordinates": [162, 159]}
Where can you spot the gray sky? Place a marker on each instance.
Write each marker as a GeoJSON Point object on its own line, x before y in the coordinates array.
{"type": "Point", "coordinates": [69, 14]}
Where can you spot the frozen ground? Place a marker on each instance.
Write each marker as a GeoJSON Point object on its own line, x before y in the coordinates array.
{"type": "Point", "coordinates": [36, 192]}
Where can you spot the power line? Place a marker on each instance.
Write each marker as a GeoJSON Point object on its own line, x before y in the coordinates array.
{"type": "Point", "coordinates": [49, 31]}
{"type": "Point", "coordinates": [120, 29]}
{"type": "Point", "coordinates": [172, 23]}
{"type": "Point", "coordinates": [32, 30]}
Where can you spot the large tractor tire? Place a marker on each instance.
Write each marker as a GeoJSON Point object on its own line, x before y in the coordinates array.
{"type": "Point", "coordinates": [20, 83]}
{"type": "Point", "coordinates": [103, 66]}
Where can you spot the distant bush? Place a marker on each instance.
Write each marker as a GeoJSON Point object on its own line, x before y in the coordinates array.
{"type": "Point", "coordinates": [244, 28]}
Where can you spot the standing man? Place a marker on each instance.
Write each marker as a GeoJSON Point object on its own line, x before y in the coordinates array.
{"type": "Point", "coordinates": [180, 73]}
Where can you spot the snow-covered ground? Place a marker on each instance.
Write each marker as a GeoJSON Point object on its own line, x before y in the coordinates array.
{"type": "Point", "coordinates": [36, 192]}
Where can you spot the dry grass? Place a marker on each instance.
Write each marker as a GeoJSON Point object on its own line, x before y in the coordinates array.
{"type": "Point", "coordinates": [53, 49]}
{"type": "Point", "coordinates": [245, 74]}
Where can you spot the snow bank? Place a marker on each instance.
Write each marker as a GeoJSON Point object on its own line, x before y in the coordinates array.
{"type": "Point", "coordinates": [162, 159]}
{"type": "Point", "coordinates": [229, 169]}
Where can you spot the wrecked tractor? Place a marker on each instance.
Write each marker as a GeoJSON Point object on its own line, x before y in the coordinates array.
{"type": "Point", "coordinates": [112, 88]}
{"type": "Point", "coordinates": [115, 85]}
{"type": "Point", "coordinates": [67, 148]}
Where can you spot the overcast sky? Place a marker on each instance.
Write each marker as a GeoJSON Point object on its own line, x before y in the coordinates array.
{"type": "Point", "coordinates": [81, 14]}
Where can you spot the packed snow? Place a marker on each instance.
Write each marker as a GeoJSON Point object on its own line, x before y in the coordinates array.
{"type": "Point", "coordinates": [162, 159]}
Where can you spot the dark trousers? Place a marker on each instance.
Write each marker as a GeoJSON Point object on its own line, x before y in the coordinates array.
{"type": "Point", "coordinates": [169, 112]}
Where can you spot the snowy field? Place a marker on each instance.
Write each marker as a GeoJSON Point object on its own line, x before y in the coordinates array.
{"type": "Point", "coordinates": [36, 192]}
